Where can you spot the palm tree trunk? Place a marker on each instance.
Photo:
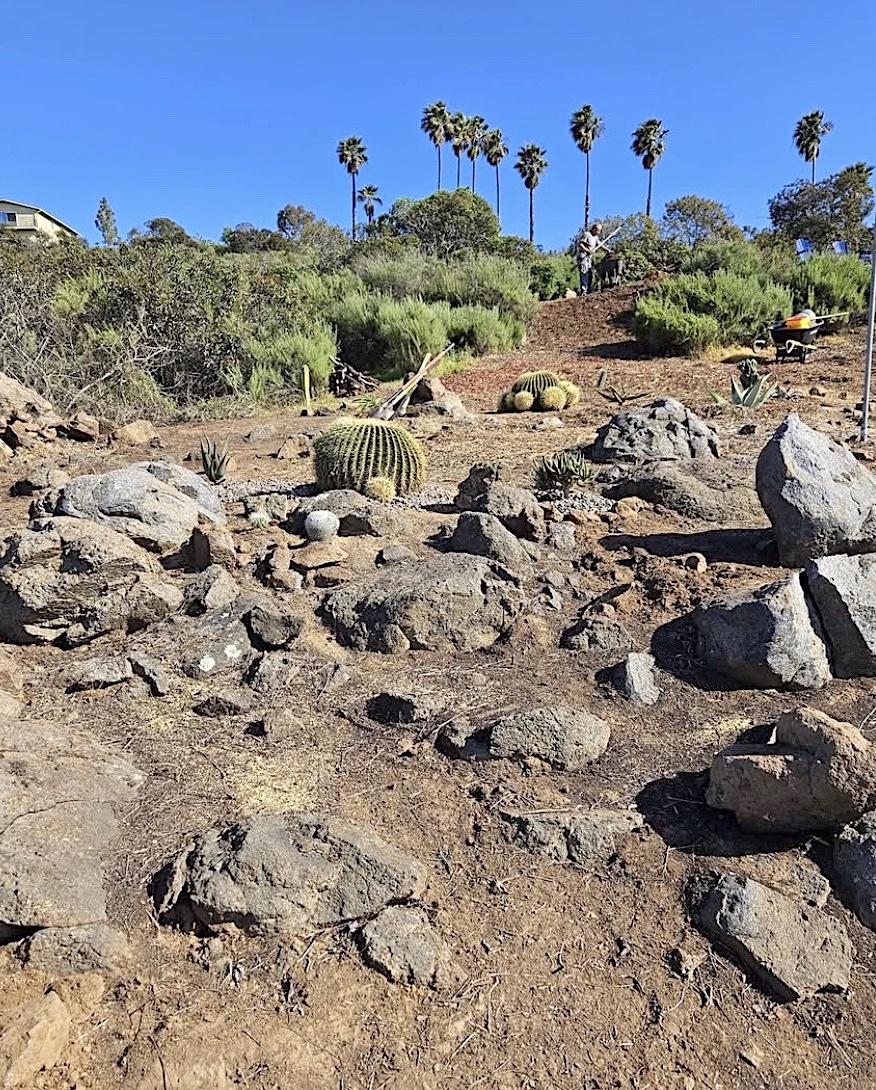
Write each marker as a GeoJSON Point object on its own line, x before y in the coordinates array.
{"type": "Point", "coordinates": [814, 158]}
{"type": "Point", "coordinates": [473, 174]}
{"type": "Point", "coordinates": [498, 216]}
{"type": "Point", "coordinates": [438, 146]}
{"type": "Point", "coordinates": [587, 194]}
{"type": "Point", "coordinates": [650, 180]}
{"type": "Point", "coordinates": [458, 170]}
{"type": "Point", "coordinates": [353, 176]}
{"type": "Point", "coordinates": [531, 217]}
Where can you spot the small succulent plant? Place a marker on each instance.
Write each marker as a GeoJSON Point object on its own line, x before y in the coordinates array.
{"type": "Point", "coordinates": [523, 401]}
{"type": "Point", "coordinates": [381, 489]}
{"type": "Point", "coordinates": [558, 474]}
{"type": "Point", "coordinates": [321, 525]}
{"type": "Point", "coordinates": [259, 519]}
{"type": "Point", "coordinates": [573, 394]}
{"type": "Point", "coordinates": [750, 390]}
{"type": "Point", "coordinates": [552, 399]}
{"type": "Point", "coordinates": [214, 461]}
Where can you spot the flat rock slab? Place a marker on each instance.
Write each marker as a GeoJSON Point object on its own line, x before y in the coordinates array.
{"type": "Point", "coordinates": [843, 589]}
{"type": "Point", "coordinates": [58, 794]}
{"type": "Point", "coordinates": [91, 948]}
{"type": "Point", "coordinates": [214, 645]}
{"type": "Point", "coordinates": [583, 837]}
{"type": "Point", "coordinates": [402, 944]}
{"type": "Point", "coordinates": [565, 737]}
{"type": "Point", "coordinates": [668, 486]}
{"type": "Point", "coordinates": [818, 774]}
{"type": "Point", "coordinates": [818, 497]}
{"type": "Point", "coordinates": [286, 874]}
{"type": "Point", "coordinates": [854, 867]}
{"type": "Point", "coordinates": [768, 639]}
{"type": "Point", "coordinates": [793, 951]}
{"type": "Point", "coordinates": [663, 430]}
{"type": "Point", "coordinates": [32, 1039]}
{"type": "Point", "coordinates": [450, 602]}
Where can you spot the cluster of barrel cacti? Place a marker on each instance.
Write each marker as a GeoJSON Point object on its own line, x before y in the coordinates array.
{"type": "Point", "coordinates": [378, 458]}
{"type": "Point", "coordinates": [543, 391]}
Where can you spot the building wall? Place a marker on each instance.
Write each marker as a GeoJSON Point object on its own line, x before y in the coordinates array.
{"type": "Point", "coordinates": [30, 221]}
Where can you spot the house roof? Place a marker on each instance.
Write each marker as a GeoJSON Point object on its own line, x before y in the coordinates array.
{"type": "Point", "coordinates": [42, 212]}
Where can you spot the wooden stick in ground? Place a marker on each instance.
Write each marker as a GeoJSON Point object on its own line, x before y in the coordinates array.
{"type": "Point", "coordinates": [397, 401]}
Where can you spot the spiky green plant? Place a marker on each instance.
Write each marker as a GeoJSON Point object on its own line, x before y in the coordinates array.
{"type": "Point", "coordinates": [352, 452]}
{"type": "Point", "coordinates": [573, 394]}
{"type": "Point", "coordinates": [523, 401]}
{"type": "Point", "coordinates": [365, 404]}
{"type": "Point", "coordinates": [214, 462]}
{"type": "Point", "coordinates": [505, 403]}
{"type": "Point", "coordinates": [381, 489]}
{"type": "Point", "coordinates": [552, 399]}
{"type": "Point", "coordinates": [747, 397]}
{"type": "Point", "coordinates": [260, 519]}
{"type": "Point", "coordinates": [558, 474]}
{"type": "Point", "coordinates": [620, 395]}
{"type": "Point", "coordinates": [534, 382]}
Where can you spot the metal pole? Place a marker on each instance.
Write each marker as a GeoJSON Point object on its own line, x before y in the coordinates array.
{"type": "Point", "coordinates": [868, 356]}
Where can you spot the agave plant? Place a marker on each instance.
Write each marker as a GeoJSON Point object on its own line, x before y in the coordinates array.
{"type": "Point", "coordinates": [620, 395]}
{"type": "Point", "coordinates": [214, 462]}
{"type": "Point", "coordinates": [750, 390]}
{"type": "Point", "coordinates": [558, 474]}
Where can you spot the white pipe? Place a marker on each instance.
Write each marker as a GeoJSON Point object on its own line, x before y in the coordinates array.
{"type": "Point", "coordinates": [868, 356]}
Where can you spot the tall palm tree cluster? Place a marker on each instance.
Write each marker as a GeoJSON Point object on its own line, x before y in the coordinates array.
{"type": "Point", "coordinates": [470, 136]}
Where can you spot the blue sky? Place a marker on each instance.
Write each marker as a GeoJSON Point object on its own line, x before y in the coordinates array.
{"type": "Point", "coordinates": [214, 112]}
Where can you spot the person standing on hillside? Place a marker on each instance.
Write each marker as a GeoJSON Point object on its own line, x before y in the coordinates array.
{"type": "Point", "coordinates": [588, 244]}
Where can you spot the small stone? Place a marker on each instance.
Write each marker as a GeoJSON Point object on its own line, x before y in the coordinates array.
{"type": "Point", "coordinates": [597, 634]}
{"type": "Point", "coordinates": [151, 671]}
{"type": "Point", "coordinates": [269, 629]}
{"type": "Point", "coordinates": [321, 525]}
{"type": "Point", "coordinates": [629, 509]}
{"type": "Point", "coordinates": [396, 554]}
{"type": "Point", "coordinates": [317, 554]}
{"type": "Point", "coordinates": [583, 837]}
{"type": "Point", "coordinates": [136, 433]}
{"type": "Point", "coordinates": [61, 951]}
{"type": "Point", "coordinates": [83, 428]}
{"type": "Point", "coordinates": [11, 674]}
{"type": "Point", "coordinates": [394, 708]}
{"type": "Point", "coordinates": [100, 674]}
{"type": "Point", "coordinates": [565, 737]}
{"type": "Point", "coordinates": [636, 680]}
{"type": "Point", "coordinates": [32, 1039]}
{"type": "Point", "coordinates": [214, 588]}
{"type": "Point", "coordinates": [817, 391]}
{"type": "Point", "coordinates": [748, 429]}
{"type": "Point", "coordinates": [225, 702]}
{"type": "Point", "coordinates": [261, 433]}
{"type": "Point", "coordinates": [213, 545]}
{"type": "Point", "coordinates": [279, 724]}
{"type": "Point", "coordinates": [484, 535]}
{"type": "Point", "coordinates": [696, 562]}
{"type": "Point", "coordinates": [296, 446]}
{"type": "Point", "coordinates": [402, 944]}
{"type": "Point", "coordinates": [561, 536]}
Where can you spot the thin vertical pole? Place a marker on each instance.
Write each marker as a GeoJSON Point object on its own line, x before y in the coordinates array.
{"type": "Point", "coordinates": [868, 356]}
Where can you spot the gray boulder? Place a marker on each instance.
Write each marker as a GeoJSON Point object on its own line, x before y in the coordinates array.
{"type": "Point", "coordinates": [215, 644]}
{"type": "Point", "coordinates": [597, 634]}
{"type": "Point", "coordinates": [157, 506]}
{"type": "Point", "coordinates": [668, 486]}
{"type": "Point", "coordinates": [818, 774]}
{"type": "Point", "coordinates": [636, 679]}
{"type": "Point", "coordinates": [767, 640]}
{"type": "Point", "coordinates": [484, 535]}
{"type": "Point", "coordinates": [793, 951]}
{"type": "Point", "coordinates": [843, 589]}
{"type": "Point", "coordinates": [854, 868]}
{"type": "Point", "coordinates": [357, 515]}
{"type": "Point", "coordinates": [582, 837]}
{"type": "Point", "coordinates": [450, 602]}
{"type": "Point", "coordinates": [90, 948]}
{"type": "Point", "coordinates": [72, 580]}
{"type": "Point", "coordinates": [485, 490]}
{"type": "Point", "coordinates": [286, 874]}
{"type": "Point", "coordinates": [662, 431]}
{"type": "Point", "coordinates": [819, 498]}
{"type": "Point", "coordinates": [60, 792]}
{"type": "Point", "coordinates": [566, 738]}
{"type": "Point", "coordinates": [402, 944]}
{"type": "Point", "coordinates": [212, 588]}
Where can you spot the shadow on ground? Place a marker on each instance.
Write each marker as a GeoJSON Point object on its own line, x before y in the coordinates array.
{"type": "Point", "coordinates": [754, 547]}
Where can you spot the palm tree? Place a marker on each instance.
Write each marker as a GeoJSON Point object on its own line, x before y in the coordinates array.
{"type": "Point", "coordinates": [457, 134]}
{"type": "Point", "coordinates": [353, 155]}
{"type": "Point", "coordinates": [649, 143]}
{"type": "Point", "coordinates": [586, 128]}
{"type": "Point", "coordinates": [367, 197]}
{"type": "Point", "coordinates": [476, 130]}
{"type": "Point", "coordinates": [436, 125]}
{"type": "Point", "coordinates": [530, 165]}
{"type": "Point", "coordinates": [495, 149]}
{"type": "Point", "coordinates": [807, 136]}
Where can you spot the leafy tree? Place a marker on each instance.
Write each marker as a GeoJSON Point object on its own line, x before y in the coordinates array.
{"type": "Point", "coordinates": [319, 241]}
{"type": "Point", "coordinates": [353, 155]}
{"type": "Point", "coordinates": [828, 211]}
{"type": "Point", "coordinates": [807, 136]}
{"type": "Point", "coordinates": [367, 197]}
{"type": "Point", "coordinates": [649, 143]}
{"type": "Point", "coordinates": [495, 149]}
{"type": "Point", "coordinates": [436, 125]}
{"type": "Point", "coordinates": [694, 220]}
{"type": "Point", "coordinates": [246, 238]}
{"type": "Point", "coordinates": [586, 128]}
{"type": "Point", "coordinates": [105, 222]}
{"type": "Point", "coordinates": [638, 240]}
{"type": "Point", "coordinates": [445, 223]}
{"type": "Point", "coordinates": [457, 133]}
{"type": "Point", "coordinates": [530, 165]}
{"type": "Point", "coordinates": [475, 130]}
{"type": "Point", "coordinates": [162, 231]}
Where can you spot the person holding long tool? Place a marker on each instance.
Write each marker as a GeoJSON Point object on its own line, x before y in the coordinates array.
{"type": "Point", "coordinates": [588, 244]}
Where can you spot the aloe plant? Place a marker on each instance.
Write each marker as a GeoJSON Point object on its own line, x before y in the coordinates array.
{"type": "Point", "coordinates": [214, 462]}
{"type": "Point", "coordinates": [750, 390]}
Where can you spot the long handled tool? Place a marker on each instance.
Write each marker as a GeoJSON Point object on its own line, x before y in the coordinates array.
{"type": "Point", "coordinates": [397, 401]}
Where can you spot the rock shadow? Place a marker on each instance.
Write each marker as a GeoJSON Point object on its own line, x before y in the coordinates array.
{"type": "Point", "coordinates": [753, 547]}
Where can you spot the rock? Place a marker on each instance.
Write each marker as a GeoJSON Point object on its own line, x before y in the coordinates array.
{"type": "Point", "coordinates": [565, 737]}
{"type": "Point", "coordinates": [60, 790]}
{"type": "Point", "coordinates": [561, 536]}
{"type": "Point", "coordinates": [287, 875]}
{"type": "Point", "coordinates": [151, 671]}
{"type": "Point", "coordinates": [583, 837]}
{"type": "Point", "coordinates": [428, 389]}
{"type": "Point", "coordinates": [818, 774]}
{"type": "Point", "coordinates": [32, 1039]}
{"type": "Point", "coordinates": [669, 486]}
{"type": "Point", "coordinates": [484, 535]}
{"type": "Point", "coordinates": [635, 679]}
{"type": "Point", "coordinates": [473, 490]}
{"type": "Point", "coordinates": [224, 702]}
{"type": "Point", "coordinates": [663, 430]}
{"type": "Point", "coordinates": [321, 525]}
{"type": "Point", "coordinates": [100, 674]}
{"type": "Point", "coordinates": [843, 589]}
{"type": "Point", "coordinates": [39, 479]}
{"type": "Point", "coordinates": [449, 602]}
{"type": "Point", "coordinates": [213, 589]}
{"type": "Point", "coordinates": [794, 952]}
{"type": "Point", "coordinates": [157, 506]}
{"type": "Point", "coordinates": [270, 629]}
{"type": "Point", "coordinates": [402, 944]}
{"type": "Point", "coordinates": [598, 635]}
{"type": "Point", "coordinates": [357, 515]}
{"type": "Point", "coordinates": [72, 580]}
{"type": "Point", "coordinates": [272, 674]}
{"type": "Point", "coordinates": [18, 402]}
{"type": "Point", "coordinates": [818, 497]}
{"type": "Point", "coordinates": [296, 446]}
{"type": "Point", "coordinates": [396, 554]}
{"type": "Point", "coordinates": [275, 505]}
{"type": "Point", "coordinates": [767, 640]}
{"type": "Point", "coordinates": [261, 433]}
{"type": "Point", "coordinates": [60, 951]}
{"type": "Point", "coordinates": [629, 509]}
{"type": "Point", "coordinates": [11, 674]}
{"type": "Point", "coordinates": [83, 428]}
{"type": "Point", "coordinates": [318, 554]}
{"type": "Point", "coordinates": [395, 708]}
{"type": "Point", "coordinates": [280, 724]}
{"type": "Point", "coordinates": [697, 563]}
{"type": "Point", "coordinates": [854, 867]}
{"type": "Point", "coordinates": [795, 876]}
{"type": "Point", "coordinates": [550, 423]}
{"type": "Point", "coordinates": [6, 452]}
{"type": "Point", "coordinates": [213, 545]}
{"type": "Point", "coordinates": [216, 644]}
{"type": "Point", "coordinates": [485, 491]}
{"type": "Point", "coordinates": [136, 433]}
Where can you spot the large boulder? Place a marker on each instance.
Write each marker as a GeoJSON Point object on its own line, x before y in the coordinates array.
{"type": "Point", "coordinates": [565, 737]}
{"type": "Point", "coordinates": [843, 589]}
{"type": "Point", "coordinates": [72, 580]}
{"type": "Point", "coordinates": [818, 497]}
{"type": "Point", "coordinates": [156, 505]}
{"type": "Point", "coordinates": [484, 535]}
{"type": "Point", "coordinates": [59, 792]}
{"type": "Point", "coordinates": [668, 486]}
{"type": "Point", "coordinates": [450, 602]}
{"type": "Point", "coordinates": [793, 951]}
{"type": "Point", "coordinates": [20, 403]}
{"type": "Point", "coordinates": [766, 640]}
{"type": "Point", "coordinates": [854, 867]}
{"type": "Point", "coordinates": [664, 430]}
{"type": "Point", "coordinates": [286, 874]}
{"type": "Point", "coordinates": [487, 491]}
{"type": "Point", "coordinates": [817, 774]}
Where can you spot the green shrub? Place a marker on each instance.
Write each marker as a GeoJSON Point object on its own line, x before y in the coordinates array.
{"type": "Point", "coordinates": [481, 331]}
{"type": "Point", "coordinates": [664, 329]}
{"type": "Point", "coordinates": [552, 275]}
{"type": "Point", "coordinates": [830, 283]}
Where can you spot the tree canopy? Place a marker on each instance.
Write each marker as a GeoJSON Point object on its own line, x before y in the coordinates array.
{"type": "Point", "coordinates": [446, 223]}
{"type": "Point", "coordinates": [693, 220]}
{"type": "Point", "coordinates": [833, 210]}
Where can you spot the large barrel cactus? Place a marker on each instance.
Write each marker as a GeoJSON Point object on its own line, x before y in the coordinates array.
{"type": "Point", "coordinates": [353, 452]}
{"type": "Point", "coordinates": [535, 382]}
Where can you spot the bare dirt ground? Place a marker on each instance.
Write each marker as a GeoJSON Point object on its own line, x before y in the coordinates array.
{"type": "Point", "coordinates": [567, 979]}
